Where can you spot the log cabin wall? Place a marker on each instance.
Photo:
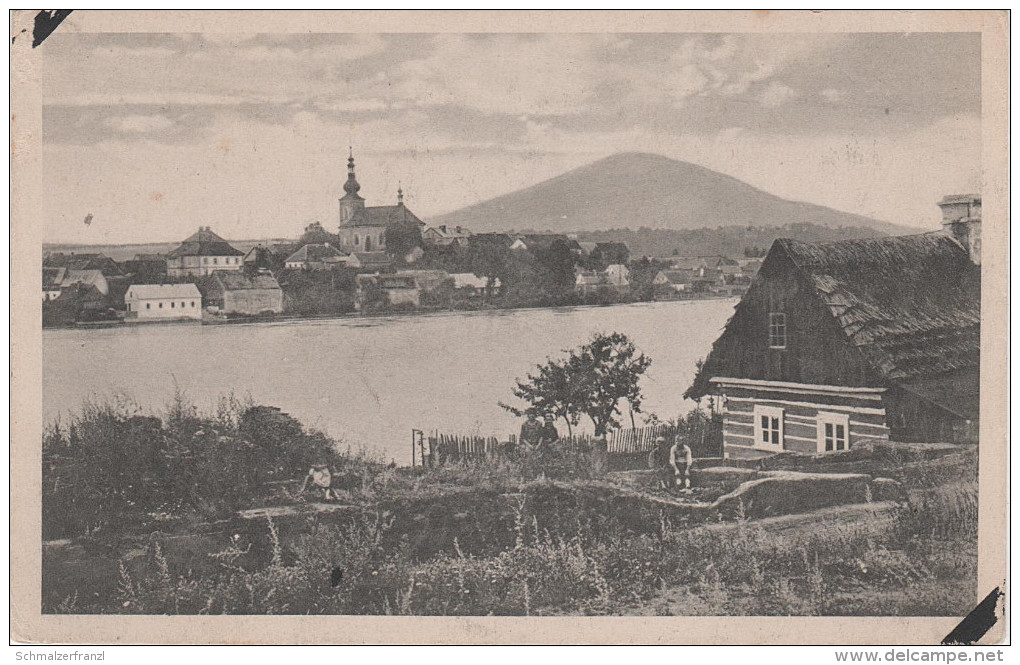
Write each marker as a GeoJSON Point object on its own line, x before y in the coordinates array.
{"type": "Point", "coordinates": [800, 408]}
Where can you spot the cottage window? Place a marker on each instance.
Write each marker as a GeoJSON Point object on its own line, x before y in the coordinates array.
{"type": "Point", "coordinates": [777, 330]}
{"type": "Point", "coordinates": [215, 261]}
{"type": "Point", "coordinates": [833, 432]}
{"type": "Point", "coordinates": [768, 427]}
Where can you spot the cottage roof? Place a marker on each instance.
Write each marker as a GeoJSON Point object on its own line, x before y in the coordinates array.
{"type": "Point", "coordinates": [389, 281]}
{"type": "Point", "coordinates": [909, 304]}
{"type": "Point", "coordinates": [232, 280]}
{"type": "Point", "coordinates": [205, 243]}
{"type": "Point", "coordinates": [157, 291]}
{"type": "Point", "coordinates": [912, 304]}
{"type": "Point", "coordinates": [314, 252]}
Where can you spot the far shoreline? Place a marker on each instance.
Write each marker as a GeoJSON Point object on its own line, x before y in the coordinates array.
{"type": "Point", "coordinates": [120, 324]}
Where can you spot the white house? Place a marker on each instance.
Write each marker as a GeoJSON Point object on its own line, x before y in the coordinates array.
{"type": "Point", "coordinates": [201, 254]}
{"type": "Point", "coordinates": [156, 302]}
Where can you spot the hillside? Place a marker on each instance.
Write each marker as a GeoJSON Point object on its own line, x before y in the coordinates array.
{"type": "Point", "coordinates": [724, 240]}
{"type": "Point", "coordinates": [632, 190]}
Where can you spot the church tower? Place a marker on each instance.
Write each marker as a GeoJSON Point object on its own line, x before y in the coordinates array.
{"type": "Point", "coordinates": [352, 206]}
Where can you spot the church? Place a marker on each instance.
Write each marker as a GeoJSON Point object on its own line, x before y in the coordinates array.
{"type": "Point", "coordinates": [363, 229]}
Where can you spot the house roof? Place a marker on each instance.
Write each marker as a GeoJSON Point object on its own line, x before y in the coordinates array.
{"type": "Point", "coordinates": [389, 281]}
{"type": "Point", "coordinates": [53, 277]}
{"type": "Point", "coordinates": [911, 304]}
{"type": "Point", "coordinates": [154, 291]}
{"type": "Point", "coordinates": [94, 277]}
{"type": "Point", "coordinates": [233, 280]}
{"type": "Point", "coordinates": [678, 276]}
{"type": "Point", "coordinates": [87, 261]}
{"type": "Point", "coordinates": [960, 198]}
{"type": "Point", "coordinates": [385, 216]}
{"type": "Point", "coordinates": [314, 252]}
{"type": "Point", "coordinates": [444, 231]}
{"type": "Point", "coordinates": [205, 243]}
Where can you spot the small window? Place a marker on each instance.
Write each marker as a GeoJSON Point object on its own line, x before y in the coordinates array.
{"type": "Point", "coordinates": [357, 240]}
{"type": "Point", "coordinates": [172, 305]}
{"type": "Point", "coordinates": [777, 330]}
{"type": "Point", "coordinates": [833, 432]}
{"type": "Point", "coordinates": [192, 303]}
{"type": "Point", "coordinates": [215, 261]}
{"type": "Point", "coordinates": [161, 305]}
{"type": "Point", "coordinates": [148, 305]}
{"type": "Point", "coordinates": [768, 428]}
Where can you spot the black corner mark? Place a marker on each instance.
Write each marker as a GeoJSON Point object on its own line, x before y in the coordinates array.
{"type": "Point", "coordinates": [978, 622]}
{"type": "Point", "coordinates": [46, 22]}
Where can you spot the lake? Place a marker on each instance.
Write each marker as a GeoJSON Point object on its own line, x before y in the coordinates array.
{"type": "Point", "coordinates": [369, 381]}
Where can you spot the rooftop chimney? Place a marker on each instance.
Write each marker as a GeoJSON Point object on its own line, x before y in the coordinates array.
{"type": "Point", "coordinates": [961, 219]}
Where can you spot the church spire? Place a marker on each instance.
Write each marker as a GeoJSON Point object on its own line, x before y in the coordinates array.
{"type": "Point", "coordinates": [400, 194]}
{"type": "Point", "coordinates": [351, 186]}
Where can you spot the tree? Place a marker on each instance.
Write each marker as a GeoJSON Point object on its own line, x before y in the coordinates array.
{"type": "Point", "coordinates": [590, 381]}
{"type": "Point", "coordinates": [401, 238]}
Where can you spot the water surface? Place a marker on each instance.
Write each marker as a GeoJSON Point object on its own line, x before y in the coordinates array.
{"type": "Point", "coordinates": [369, 381]}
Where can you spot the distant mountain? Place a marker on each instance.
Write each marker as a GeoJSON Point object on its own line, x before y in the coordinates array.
{"type": "Point", "coordinates": [632, 190]}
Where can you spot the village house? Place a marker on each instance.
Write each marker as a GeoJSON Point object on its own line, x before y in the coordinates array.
{"type": "Point", "coordinates": [88, 261]}
{"type": "Point", "coordinates": [56, 279]}
{"type": "Point", "coordinates": [320, 256]}
{"type": "Point", "coordinates": [851, 342]}
{"type": "Point", "coordinates": [471, 285]}
{"type": "Point", "coordinates": [248, 295]}
{"type": "Point", "coordinates": [162, 302]}
{"type": "Point", "coordinates": [443, 236]}
{"type": "Point", "coordinates": [76, 302]}
{"type": "Point", "coordinates": [588, 282]}
{"type": "Point", "coordinates": [363, 229]}
{"type": "Point", "coordinates": [673, 284]}
{"type": "Point", "coordinates": [388, 290]}
{"type": "Point", "coordinates": [202, 254]}
{"type": "Point", "coordinates": [615, 278]}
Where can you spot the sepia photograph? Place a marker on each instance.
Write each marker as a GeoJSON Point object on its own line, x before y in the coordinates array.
{"type": "Point", "coordinates": [424, 322]}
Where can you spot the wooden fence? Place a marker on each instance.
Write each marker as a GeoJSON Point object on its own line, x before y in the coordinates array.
{"type": "Point", "coordinates": [703, 434]}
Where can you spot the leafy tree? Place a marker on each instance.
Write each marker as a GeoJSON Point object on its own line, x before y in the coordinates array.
{"type": "Point", "coordinates": [401, 239]}
{"type": "Point", "coordinates": [590, 381]}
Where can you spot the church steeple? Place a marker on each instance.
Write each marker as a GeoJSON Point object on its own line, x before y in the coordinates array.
{"type": "Point", "coordinates": [400, 194]}
{"type": "Point", "coordinates": [352, 206]}
{"type": "Point", "coordinates": [351, 186]}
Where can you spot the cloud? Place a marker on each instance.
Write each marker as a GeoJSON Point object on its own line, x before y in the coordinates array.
{"type": "Point", "coordinates": [140, 123]}
{"type": "Point", "coordinates": [776, 94]}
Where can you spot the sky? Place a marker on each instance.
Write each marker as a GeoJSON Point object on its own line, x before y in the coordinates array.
{"type": "Point", "coordinates": [154, 135]}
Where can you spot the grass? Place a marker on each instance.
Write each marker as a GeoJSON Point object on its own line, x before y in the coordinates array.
{"type": "Point", "coordinates": [486, 538]}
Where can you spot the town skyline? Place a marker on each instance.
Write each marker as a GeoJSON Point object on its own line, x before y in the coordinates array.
{"type": "Point", "coordinates": [256, 146]}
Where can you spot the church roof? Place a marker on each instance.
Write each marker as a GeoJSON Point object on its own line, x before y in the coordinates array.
{"type": "Point", "coordinates": [385, 216]}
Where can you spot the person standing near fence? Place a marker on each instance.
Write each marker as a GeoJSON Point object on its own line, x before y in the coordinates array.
{"type": "Point", "coordinates": [681, 458]}
{"type": "Point", "coordinates": [531, 434]}
{"type": "Point", "coordinates": [549, 433]}
{"type": "Point", "coordinates": [658, 462]}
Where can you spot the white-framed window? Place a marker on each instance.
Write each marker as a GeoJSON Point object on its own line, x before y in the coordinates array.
{"type": "Point", "coordinates": [768, 427]}
{"type": "Point", "coordinates": [777, 330]}
{"type": "Point", "coordinates": [833, 432]}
